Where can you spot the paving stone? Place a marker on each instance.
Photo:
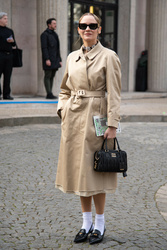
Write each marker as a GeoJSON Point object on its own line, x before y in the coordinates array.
{"type": "Point", "coordinates": [35, 215]}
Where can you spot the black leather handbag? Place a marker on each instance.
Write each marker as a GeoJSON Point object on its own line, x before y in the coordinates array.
{"type": "Point", "coordinates": [17, 57]}
{"type": "Point", "coordinates": [106, 160]}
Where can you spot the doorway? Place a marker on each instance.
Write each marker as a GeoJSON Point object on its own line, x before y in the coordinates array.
{"type": "Point", "coordinates": [107, 10]}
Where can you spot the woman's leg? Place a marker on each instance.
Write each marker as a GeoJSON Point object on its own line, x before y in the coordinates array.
{"type": "Point", "coordinates": [86, 204]}
{"type": "Point", "coordinates": [87, 226]}
{"type": "Point", "coordinates": [99, 201]}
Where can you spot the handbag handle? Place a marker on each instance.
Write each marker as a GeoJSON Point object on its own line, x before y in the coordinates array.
{"type": "Point", "coordinates": [115, 142]}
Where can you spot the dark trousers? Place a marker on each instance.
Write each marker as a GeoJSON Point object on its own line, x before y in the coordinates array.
{"type": "Point", "coordinates": [6, 66]}
{"type": "Point", "coordinates": [48, 79]}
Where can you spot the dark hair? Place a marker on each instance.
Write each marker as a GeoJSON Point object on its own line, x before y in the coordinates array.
{"type": "Point", "coordinates": [50, 20]}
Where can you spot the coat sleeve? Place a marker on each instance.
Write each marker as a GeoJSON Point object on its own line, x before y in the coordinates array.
{"type": "Point", "coordinates": [113, 84]}
{"type": "Point", "coordinates": [58, 42]}
{"type": "Point", "coordinates": [65, 92]}
{"type": "Point", "coordinates": [14, 43]}
{"type": "Point", "coordinates": [44, 47]}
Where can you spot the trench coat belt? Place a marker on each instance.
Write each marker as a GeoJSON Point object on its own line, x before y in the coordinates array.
{"type": "Point", "coordinates": [88, 93]}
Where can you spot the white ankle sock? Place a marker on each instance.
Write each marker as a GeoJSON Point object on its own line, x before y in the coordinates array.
{"type": "Point", "coordinates": [87, 221]}
{"type": "Point", "coordinates": [99, 223]}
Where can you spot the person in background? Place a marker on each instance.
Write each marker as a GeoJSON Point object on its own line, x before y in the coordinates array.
{"type": "Point", "coordinates": [7, 42]}
{"type": "Point", "coordinates": [90, 73]}
{"type": "Point", "coordinates": [51, 58]}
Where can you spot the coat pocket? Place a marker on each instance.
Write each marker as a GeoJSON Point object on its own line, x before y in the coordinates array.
{"type": "Point", "coordinates": [65, 109]}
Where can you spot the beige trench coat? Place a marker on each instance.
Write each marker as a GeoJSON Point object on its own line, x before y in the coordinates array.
{"type": "Point", "coordinates": [95, 72]}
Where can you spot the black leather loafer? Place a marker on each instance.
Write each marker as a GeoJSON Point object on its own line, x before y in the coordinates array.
{"type": "Point", "coordinates": [96, 237]}
{"type": "Point", "coordinates": [82, 235]}
{"type": "Point", "coordinates": [51, 96]}
{"type": "Point", "coordinates": [8, 97]}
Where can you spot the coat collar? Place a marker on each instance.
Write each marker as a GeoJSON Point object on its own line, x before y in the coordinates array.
{"type": "Point", "coordinates": [50, 31]}
{"type": "Point", "coordinates": [91, 54]}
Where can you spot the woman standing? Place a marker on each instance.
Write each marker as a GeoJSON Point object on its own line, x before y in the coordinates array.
{"type": "Point", "coordinates": [90, 72]}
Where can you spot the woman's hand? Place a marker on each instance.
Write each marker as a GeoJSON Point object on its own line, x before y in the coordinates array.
{"type": "Point", "coordinates": [110, 133]}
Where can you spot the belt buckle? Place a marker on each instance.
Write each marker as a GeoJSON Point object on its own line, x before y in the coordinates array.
{"type": "Point", "coordinates": [81, 92]}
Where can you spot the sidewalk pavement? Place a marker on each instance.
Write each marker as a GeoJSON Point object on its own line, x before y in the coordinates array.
{"type": "Point", "coordinates": [135, 107]}
{"type": "Point", "coordinates": [36, 216]}
{"type": "Point", "coordinates": [26, 178]}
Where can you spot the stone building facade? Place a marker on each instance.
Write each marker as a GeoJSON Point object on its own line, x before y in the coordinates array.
{"type": "Point", "coordinates": [141, 26]}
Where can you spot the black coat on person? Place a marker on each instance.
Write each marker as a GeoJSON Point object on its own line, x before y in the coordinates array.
{"type": "Point", "coordinates": [50, 47]}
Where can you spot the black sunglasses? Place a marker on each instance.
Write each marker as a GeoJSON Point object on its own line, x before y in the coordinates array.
{"type": "Point", "coordinates": [92, 26]}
